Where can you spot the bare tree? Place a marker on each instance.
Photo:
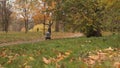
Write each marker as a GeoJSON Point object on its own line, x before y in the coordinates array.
{"type": "Point", "coordinates": [25, 10]}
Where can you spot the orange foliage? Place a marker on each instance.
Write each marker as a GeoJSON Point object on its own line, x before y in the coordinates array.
{"type": "Point", "coordinates": [38, 17]}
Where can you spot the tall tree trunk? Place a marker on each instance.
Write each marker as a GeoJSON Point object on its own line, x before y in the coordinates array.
{"type": "Point", "coordinates": [3, 24]}
{"type": "Point", "coordinates": [26, 26]}
{"type": "Point", "coordinates": [58, 16]}
{"type": "Point", "coordinates": [26, 22]}
{"type": "Point", "coordinates": [5, 16]}
{"type": "Point", "coordinates": [50, 26]}
{"type": "Point", "coordinates": [44, 21]}
{"type": "Point", "coordinates": [26, 18]}
{"type": "Point", "coordinates": [44, 25]}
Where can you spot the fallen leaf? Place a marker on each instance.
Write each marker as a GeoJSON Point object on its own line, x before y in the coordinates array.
{"type": "Point", "coordinates": [102, 56]}
{"type": "Point", "coordinates": [95, 57]}
{"type": "Point", "coordinates": [27, 66]}
{"type": "Point", "coordinates": [46, 61]}
{"type": "Point", "coordinates": [67, 53]}
{"type": "Point", "coordinates": [1, 66]}
{"type": "Point", "coordinates": [31, 58]}
{"type": "Point", "coordinates": [91, 62]}
{"type": "Point", "coordinates": [117, 65]}
{"type": "Point", "coordinates": [109, 49]}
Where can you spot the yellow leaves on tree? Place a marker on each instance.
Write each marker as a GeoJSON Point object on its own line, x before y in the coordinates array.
{"type": "Point", "coordinates": [108, 2]}
{"type": "Point", "coordinates": [53, 4]}
{"type": "Point", "coordinates": [38, 18]}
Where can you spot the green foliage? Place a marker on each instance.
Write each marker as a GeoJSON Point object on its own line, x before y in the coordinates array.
{"type": "Point", "coordinates": [112, 18]}
{"type": "Point", "coordinates": [89, 17]}
{"type": "Point", "coordinates": [85, 16]}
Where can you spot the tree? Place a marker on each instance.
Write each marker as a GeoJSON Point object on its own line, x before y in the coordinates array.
{"type": "Point", "coordinates": [0, 16]}
{"type": "Point", "coordinates": [55, 9]}
{"type": "Point", "coordinates": [84, 16]}
{"type": "Point", "coordinates": [112, 18]}
{"type": "Point", "coordinates": [25, 9]}
{"type": "Point", "coordinates": [48, 11]}
{"type": "Point", "coordinates": [5, 15]}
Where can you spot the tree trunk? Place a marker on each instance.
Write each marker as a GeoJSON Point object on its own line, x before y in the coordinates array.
{"type": "Point", "coordinates": [44, 25]}
{"type": "Point", "coordinates": [57, 27]}
{"type": "Point", "coordinates": [5, 16]}
{"type": "Point", "coordinates": [26, 26]}
{"type": "Point", "coordinates": [44, 22]}
{"type": "Point", "coordinates": [26, 20]}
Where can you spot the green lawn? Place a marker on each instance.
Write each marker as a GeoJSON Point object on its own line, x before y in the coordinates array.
{"type": "Point", "coordinates": [21, 36]}
{"type": "Point", "coordinates": [18, 36]}
{"type": "Point", "coordinates": [62, 53]}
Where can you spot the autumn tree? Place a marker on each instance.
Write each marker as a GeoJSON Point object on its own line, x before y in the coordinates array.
{"type": "Point", "coordinates": [55, 10]}
{"type": "Point", "coordinates": [50, 13]}
{"type": "Point", "coordinates": [46, 14]}
{"type": "Point", "coordinates": [25, 9]}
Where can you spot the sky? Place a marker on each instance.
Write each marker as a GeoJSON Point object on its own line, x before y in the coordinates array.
{"type": "Point", "coordinates": [12, 0]}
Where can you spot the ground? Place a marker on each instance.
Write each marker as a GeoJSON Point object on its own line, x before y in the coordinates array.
{"type": "Point", "coordinates": [20, 38]}
{"type": "Point", "coordinates": [70, 52]}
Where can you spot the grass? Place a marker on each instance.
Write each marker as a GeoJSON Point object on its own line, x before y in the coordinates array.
{"type": "Point", "coordinates": [21, 36]}
{"type": "Point", "coordinates": [31, 55]}
{"type": "Point", "coordinates": [18, 36]}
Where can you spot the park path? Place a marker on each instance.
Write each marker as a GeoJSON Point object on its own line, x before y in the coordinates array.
{"type": "Point", "coordinates": [41, 39]}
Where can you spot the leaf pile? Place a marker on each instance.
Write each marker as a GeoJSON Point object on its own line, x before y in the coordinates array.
{"type": "Point", "coordinates": [111, 55]}
{"type": "Point", "coordinates": [58, 58]}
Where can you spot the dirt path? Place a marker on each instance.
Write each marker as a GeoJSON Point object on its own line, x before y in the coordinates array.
{"type": "Point", "coordinates": [20, 42]}
{"type": "Point", "coordinates": [41, 39]}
